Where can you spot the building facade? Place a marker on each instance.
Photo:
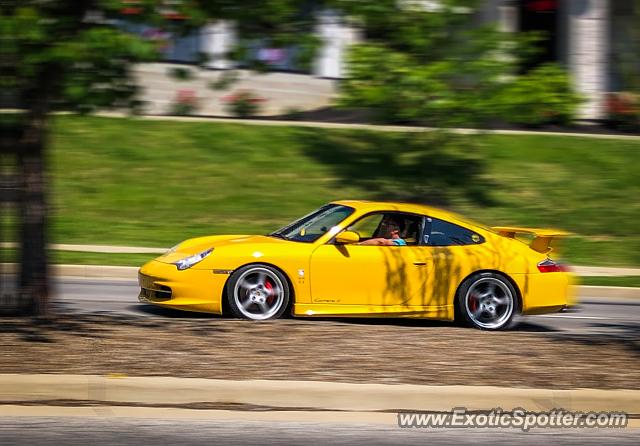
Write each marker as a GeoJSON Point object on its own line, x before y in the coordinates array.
{"type": "Point", "coordinates": [593, 39]}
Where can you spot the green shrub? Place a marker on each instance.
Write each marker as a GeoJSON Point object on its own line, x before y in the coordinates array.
{"type": "Point", "coordinates": [542, 96]}
{"type": "Point", "coordinates": [400, 87]}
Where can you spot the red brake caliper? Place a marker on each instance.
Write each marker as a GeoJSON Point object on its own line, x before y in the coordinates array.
{"type": "Point", "coordinates": [269, 288]}
{"type": "Point", "coordinates": [473, 302]}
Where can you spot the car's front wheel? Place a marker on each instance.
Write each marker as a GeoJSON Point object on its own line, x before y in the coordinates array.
{"type": "Point", "coordinates": [258, 292]}
{"type": "Point", "coordinates": [487, 301]}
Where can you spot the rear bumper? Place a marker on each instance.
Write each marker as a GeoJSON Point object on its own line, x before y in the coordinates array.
{"type": "Point", "coordinates": [192, 289]}
{"type": "Point", "coordinates": [546, 292]}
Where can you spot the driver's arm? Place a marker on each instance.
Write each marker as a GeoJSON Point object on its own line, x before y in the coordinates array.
{"type": "Point", "coordinates": [376, 242]}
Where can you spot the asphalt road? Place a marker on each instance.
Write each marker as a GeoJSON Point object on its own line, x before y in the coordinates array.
{"type": "Point", "coordinates": [99, 431]}
{"type": "Point", "coordinates": [593, 316]}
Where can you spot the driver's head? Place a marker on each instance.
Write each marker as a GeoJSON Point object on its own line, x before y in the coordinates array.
{"type": "Point", "coordinates": [390, 228]}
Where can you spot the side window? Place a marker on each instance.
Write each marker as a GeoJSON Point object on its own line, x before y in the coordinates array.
{"type": "Point", "coordinates": [442, 233]}
{"type": "Point", "coordinates": [366, 226]}
{"type": "Point", "coordinates": [408, 227]}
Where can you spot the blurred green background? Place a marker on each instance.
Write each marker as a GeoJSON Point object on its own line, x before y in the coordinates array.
{"type": "Point", "coordinates": [154, 183]}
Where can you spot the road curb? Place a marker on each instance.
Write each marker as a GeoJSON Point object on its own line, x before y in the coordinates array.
{"type": "Point", "coordinates": [216, 415]}
{"type": "Point", "coordinates": [609, 291]}
{"type": "Point", "coordinates": [595, 271]}
{"type": "Point", "coordinates": [96, 272]}
{"type": "Point", "coordinates": [305, 395]}
{"type": "Point", "coordinates": [105, 249]}
{"type": "Point", "coordinates": [87, 271]}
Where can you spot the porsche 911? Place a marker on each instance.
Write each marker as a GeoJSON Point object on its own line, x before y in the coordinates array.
{"type": "Point", "coordinates": [367, 259]}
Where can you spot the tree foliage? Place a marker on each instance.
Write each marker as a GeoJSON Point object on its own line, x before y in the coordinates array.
{"type": "Point", "coordinates": [542, 96]}
{"type": "Point", "coordinates": [434, 63]}
{"type": "Point", "coordinates": [79, 52]}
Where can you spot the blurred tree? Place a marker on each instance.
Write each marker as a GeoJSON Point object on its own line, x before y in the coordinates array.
{"type": "Point", "coordinates": [74, 55]}
{"type": "Point", "coordinates": [430, 62]}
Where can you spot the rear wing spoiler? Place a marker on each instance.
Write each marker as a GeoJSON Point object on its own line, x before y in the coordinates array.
{"type": "Point", "coordinates": [542, 237]}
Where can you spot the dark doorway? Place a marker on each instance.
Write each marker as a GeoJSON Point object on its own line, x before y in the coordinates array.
{"type": "Point", "coordinates": [541, 16]}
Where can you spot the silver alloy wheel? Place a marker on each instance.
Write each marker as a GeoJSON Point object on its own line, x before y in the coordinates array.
{"type": "Point", "coordinates": [258, 293]}
{"type": "Point", "coordinates": [489, 303]}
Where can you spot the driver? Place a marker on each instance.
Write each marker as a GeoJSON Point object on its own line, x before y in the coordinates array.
{"type": "Point", "coordinates": [390, 234]}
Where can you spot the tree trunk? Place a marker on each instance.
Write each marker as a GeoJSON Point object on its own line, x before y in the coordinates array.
{"type": "Point", "coordinates": [33, 279]}
{"type": "Point", "coordinates": [8, 299]}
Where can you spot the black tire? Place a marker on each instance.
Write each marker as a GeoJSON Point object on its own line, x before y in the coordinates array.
{"type": "Point", "coordinates": [487, 301]}
{"type": "Point", "coordinates": [258, 292]}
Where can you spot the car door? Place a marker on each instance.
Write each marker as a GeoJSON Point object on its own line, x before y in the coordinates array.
{"type": "Point", "coordinates": [372, 275]}
{"type": "Point", "coordinates": [454, 253]}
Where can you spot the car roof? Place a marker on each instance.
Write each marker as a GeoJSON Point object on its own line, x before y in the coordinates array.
{"type": "Point", "coordinates": [422, 209]}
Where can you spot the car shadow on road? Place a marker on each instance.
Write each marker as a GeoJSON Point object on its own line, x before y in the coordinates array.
{"type": "Point", "coordinates": [624, 334]}
{"type": "Point", "coordinates": [153, 310]}
{"type": "Point", "coordinates": [527, 326]}
{"type": "Point", "coordinates": [522, 326]}
{"type": "Point", "coordinates": [397, 322]}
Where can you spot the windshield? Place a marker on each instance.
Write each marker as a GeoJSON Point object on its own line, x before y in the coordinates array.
{"type": "Point", "coordinates": [311, 227]}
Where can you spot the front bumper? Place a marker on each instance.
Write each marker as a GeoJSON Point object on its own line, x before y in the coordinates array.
{"type": "Point", "coordinates": [191, 289]}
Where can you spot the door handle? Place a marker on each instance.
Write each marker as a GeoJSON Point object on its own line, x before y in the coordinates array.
{"type": "Point", "coordinates": [420, 263]}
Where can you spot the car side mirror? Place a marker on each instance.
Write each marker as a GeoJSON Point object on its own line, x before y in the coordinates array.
{"type": "Point", "coordinates": [347, 237]}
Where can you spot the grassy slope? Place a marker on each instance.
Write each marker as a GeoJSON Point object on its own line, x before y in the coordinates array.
{"type": "Point", "coordinates": [587, 186]}
{"type": "Point", "coordinates": [151, 183]}
{"type": "Point", "coordinates": [626, 281]}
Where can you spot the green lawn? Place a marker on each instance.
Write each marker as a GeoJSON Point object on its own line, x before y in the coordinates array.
{"type": "Point", "coordinates": [627, 281]}
{"type": "Point", "coordinates": [153, 183]}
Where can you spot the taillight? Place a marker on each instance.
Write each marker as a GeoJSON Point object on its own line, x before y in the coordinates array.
{"type": "Point", "coordinates": [549, 266]}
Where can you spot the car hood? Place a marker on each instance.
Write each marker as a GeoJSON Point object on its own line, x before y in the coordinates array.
{"type": "Point", "coordinates": [196, 245]}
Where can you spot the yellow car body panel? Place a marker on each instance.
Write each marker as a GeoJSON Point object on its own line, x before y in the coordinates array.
{"type": "Point", "coordinates": [356, 280]}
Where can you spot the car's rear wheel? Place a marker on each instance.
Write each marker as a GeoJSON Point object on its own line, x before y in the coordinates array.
{"type": "Point", "coordinates": [487, 301]}
{"type": "Point", "coordinates": [258, 292]}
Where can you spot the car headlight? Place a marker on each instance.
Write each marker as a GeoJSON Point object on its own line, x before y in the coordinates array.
{"type": "Point", "coordinates": [188, 262]}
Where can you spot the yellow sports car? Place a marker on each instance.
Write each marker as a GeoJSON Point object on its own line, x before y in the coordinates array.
{"type": "Point", "coordinates": [370, 259]}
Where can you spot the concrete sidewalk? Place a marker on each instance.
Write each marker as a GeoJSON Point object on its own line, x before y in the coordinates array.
{"type": "Point", "coordinates": [371, 127]}
{"type": "Point", "coordinates": [595, 271]}
{"type": "Point", "coordinates": [305, 395]}
{"type": "Point", "coordinates": [106, 249]}
{"type": "Point", "coordinates": [215, 415]}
